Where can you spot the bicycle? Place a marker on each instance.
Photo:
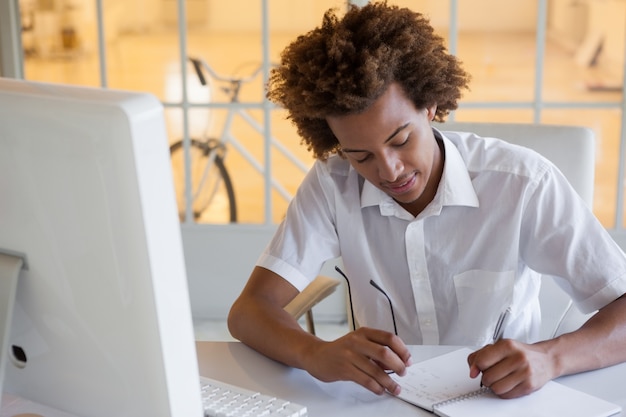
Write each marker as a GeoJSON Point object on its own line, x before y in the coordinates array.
{"type": "Point", "coordinates": [211, 184]}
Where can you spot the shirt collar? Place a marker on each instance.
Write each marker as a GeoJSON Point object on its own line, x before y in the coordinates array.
{"type": "Point", "coordinates": [455, 187]}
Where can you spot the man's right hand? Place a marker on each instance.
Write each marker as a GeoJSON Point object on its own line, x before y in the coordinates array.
{"type": "Point", "coordinates": [258, 319]}
{"type": "Point", "coordinates": [364, 356]}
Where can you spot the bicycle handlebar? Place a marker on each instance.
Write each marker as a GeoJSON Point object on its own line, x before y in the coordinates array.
{"type": "Point", "coordinates": [199, 64]}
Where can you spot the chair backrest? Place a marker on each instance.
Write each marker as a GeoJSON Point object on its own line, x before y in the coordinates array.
{"type": "Point", "coordinates": [572, 150]}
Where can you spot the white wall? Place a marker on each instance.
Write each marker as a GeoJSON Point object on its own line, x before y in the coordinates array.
{"type": "Point", "coordinates": [219, 260]}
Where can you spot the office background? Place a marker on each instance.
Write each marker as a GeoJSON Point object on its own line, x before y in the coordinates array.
{"type": "Point", "coordinates": [543, 61]}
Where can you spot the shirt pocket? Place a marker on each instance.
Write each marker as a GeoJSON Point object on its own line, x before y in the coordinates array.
{"type": "Point", "coordinates": [481, 297]}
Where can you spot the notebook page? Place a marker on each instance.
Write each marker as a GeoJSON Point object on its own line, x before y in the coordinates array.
{"type": "Point", "coordinates": [553, 399]}
{"type": "Point", "coordinates": [438, 379]}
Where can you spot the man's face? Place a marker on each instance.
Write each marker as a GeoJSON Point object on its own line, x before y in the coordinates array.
{"type": "Point", "coordinates": [391, 144]}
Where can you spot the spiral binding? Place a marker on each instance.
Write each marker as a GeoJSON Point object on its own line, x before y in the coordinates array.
{"type": "Point", "coordinates": [479, 392]}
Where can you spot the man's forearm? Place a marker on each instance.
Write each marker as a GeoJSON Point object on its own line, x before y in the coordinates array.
{"type": "Point", "coordinates": [272, 332]}
{"type": "Point", "coordinates": [600, 342]}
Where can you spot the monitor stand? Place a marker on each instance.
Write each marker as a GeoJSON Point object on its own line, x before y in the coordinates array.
{"type": "Point", "coordinates": [11, 263]}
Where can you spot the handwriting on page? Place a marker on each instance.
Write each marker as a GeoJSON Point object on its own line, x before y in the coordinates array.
{"type": "Point", "coordinates": [438, 379]}
{"type": "Point", "coordinates": [434, 388]}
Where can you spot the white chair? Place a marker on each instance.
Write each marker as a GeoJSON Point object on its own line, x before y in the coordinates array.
{"type": "Point", "coordinates": [572, 150]}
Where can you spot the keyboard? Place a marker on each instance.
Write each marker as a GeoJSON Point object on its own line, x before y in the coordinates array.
{"type": "Point", "coordinates": [224, 400]}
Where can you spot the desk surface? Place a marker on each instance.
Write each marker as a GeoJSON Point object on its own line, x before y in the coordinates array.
{"type": "Point", "coordinates": [235, 363]}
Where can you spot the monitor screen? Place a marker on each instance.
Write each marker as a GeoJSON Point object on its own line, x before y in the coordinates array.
{"type": "Point", "coordinates": [100, 324]}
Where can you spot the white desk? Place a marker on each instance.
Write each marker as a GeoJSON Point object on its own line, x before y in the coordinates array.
{"type": "Point", "coordinates": [237, 364]}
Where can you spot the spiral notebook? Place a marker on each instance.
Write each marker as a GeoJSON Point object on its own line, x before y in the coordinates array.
{"type": "Point", "coordinates": [442, 385]}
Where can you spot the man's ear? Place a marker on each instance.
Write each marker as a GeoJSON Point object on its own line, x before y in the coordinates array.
{"type": "Point", "coordinates": [431, 112]}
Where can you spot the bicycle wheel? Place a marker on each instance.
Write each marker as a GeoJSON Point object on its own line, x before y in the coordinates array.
{"type": "Point", "coordinates": [213, 196]}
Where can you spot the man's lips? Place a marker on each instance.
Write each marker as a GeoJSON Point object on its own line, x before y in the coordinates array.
{"type": "Point", "coordinates": [402, 186]}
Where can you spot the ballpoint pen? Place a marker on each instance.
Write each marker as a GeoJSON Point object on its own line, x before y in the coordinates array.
{"type": "Point", "coordinates": [499, 331]}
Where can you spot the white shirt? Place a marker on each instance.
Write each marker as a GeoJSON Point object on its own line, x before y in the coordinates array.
{"type": "Point", "coordinates": [502, 216]}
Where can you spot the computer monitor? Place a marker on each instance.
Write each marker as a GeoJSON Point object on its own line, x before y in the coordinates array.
{"type": "Point", "coordinates": [101, 322]}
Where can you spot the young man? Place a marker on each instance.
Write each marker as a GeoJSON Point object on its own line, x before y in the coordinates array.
{"type": "Point", "coordinates": [453, 227]}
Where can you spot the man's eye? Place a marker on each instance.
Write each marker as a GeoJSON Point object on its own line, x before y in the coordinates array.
{"type": "Point", "coordinates": [404, 142]}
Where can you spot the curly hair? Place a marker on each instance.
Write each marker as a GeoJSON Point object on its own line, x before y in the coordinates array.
{"type": "Point", "coordinates": [344, 65]}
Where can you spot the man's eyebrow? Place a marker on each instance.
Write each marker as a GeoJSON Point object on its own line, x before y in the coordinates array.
{"type": "Point", "coordinates": [395, 132]}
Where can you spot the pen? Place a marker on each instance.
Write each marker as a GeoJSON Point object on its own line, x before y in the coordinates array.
{"type": "Point", "coordinates": [499, 331]}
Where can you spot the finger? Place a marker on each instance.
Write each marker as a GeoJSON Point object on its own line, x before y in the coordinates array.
{"type": "Point", "coordinates": [388, 361]}
{"type": "Point", "coordinates": [379, 379]}
{"type": "Point", "coordinates": [376, 352]}
{"type": "Point", "coordinates": [498, 378]}
{"type": "Point", "coordinates": [477, 362]}
{"type": "Point", "coordinates": [474, 371]}
{"type": "Point", "coordinates": [389, 351]}
{"type": "Point", "coordinates": [506, 374]}
{"type": "Point", "coordinates": [511, 386]}
{"type": "Point", "coordinates": [488, 356]}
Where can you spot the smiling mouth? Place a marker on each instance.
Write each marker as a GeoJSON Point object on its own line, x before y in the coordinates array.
{"type": "Point", "coordinates": [401, 187]}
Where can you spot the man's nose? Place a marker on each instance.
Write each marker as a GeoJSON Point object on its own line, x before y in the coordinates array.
{"type": "Point", "coordinates": [390, 168]}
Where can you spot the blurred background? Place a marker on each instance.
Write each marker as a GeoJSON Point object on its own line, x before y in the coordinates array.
{"type": "Point", "coordinates": [569, 71]}
{"type": "Point", "coordinates": [531, 61]}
